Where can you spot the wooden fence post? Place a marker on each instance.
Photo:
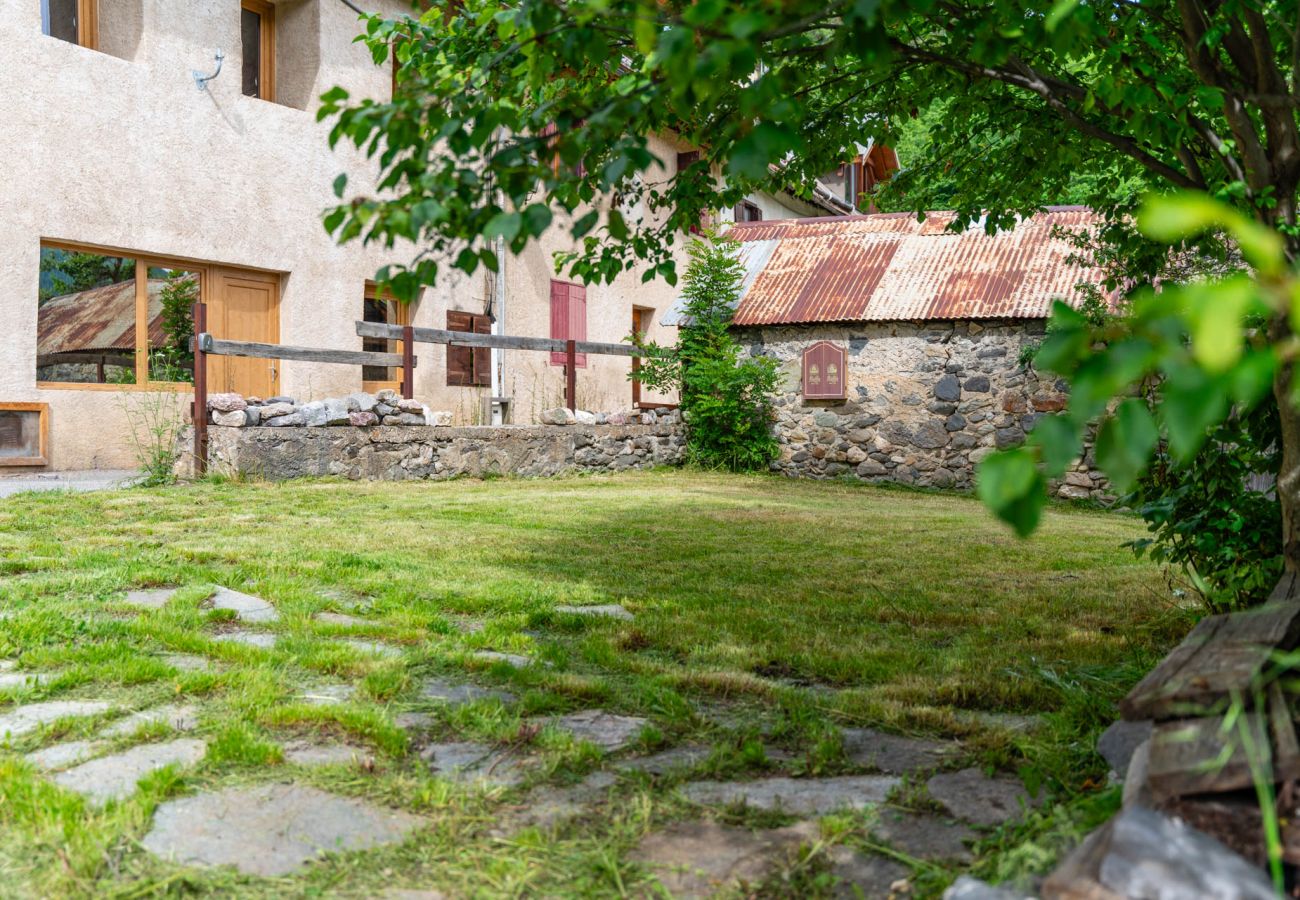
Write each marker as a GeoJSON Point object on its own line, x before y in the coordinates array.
{"type": "Point", "coordinates": [571, 373]}
{"type": "Point", "coordinates": [408, 362]}
{"type": "Point", "coordinates": [199, 413]}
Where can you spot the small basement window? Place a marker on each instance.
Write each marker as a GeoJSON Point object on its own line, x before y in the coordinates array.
{"type": "Point", "coordinates": [24, 434]}
{"type": "Point", "coordinates": [73, 21]}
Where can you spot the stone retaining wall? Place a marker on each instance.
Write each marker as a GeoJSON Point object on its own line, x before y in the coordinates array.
{"type": "Point", "coordinates": [408, 452]}
{"type": "Point", "coordinates": [925, 402]}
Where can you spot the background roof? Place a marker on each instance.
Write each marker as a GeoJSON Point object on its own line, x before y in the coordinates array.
{"type": "Point", "coordinates": [892, 267]}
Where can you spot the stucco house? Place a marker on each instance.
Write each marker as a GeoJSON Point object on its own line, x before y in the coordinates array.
{"type": "Point", "coordinates": [901, 342]}
{"type": "Point", "coordinates": [160, 151]}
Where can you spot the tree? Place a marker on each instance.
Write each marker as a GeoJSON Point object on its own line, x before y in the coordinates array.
{"type": "Point", "coordinates": [726, 397]}
{"type": "Point", "coordinates": [1173, 94]}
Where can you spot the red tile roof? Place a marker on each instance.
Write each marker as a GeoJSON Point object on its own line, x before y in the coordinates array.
{"type": "Point", "coordinates": [892, 267]}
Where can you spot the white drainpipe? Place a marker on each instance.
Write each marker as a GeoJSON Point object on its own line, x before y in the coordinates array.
{"type": "Point", "coordinates": [499, 327]}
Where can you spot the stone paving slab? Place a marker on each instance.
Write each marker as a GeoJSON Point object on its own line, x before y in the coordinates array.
{"type": "Point", "coordinates": [311, 754]}
{"type": "Point", "coordinates": [188, 662]}
{"type": "Point", "coordinates": [28, 718]}
{"type": "Point", "coordinates": [152, 598]}
{"type": "Point", "coordinates": [469, 762]}
{"type": "Point", "coordinates": [514, 660]}
{"type": "Point", "coordinates": [246, 607]}
{"type": "Point", "coordinates": [699, 859]}
{"type": "Point", "coordinates": [974, 797]}
{"type": "Point", "coordinates": [665, 761]}
{"type": "Point", "coordinates": [864, 876]}
{"type": "Point", "coordinates": [807, 796]}
{"type": "Point", "coordinates": [178, 718]}
{"type": "Point", "coordinates": [260, 639]}
{"type": "Point", "coordinates": [16, 680]}
{"type": "Point", "coordinates": [328, 694]}
{"type": "Point", "coordinates": [341, 619]}
{"type": "Point", "coordinates": [894, 754]}
{"type": "Point", "coordinates": [270, 830]}
{"type": "Point", "coordinates": [924, 837]}
{"type": "Point", "coordinates": [607, 731]}
{"type": "Point", "coordinates": [551, 806]}
{"type": "Point", "coordinates": [115, 777]}
{"type": "Point", "coordinates": [372, 648]}
{"type": "Point", "coordinates": [414, 721]}
{"type": "Point", "coordinates": [61, 756]}
{"type": "Point", "coordinates": [603, 611]}
{"type": "Point", "coordinates": [459, 693]}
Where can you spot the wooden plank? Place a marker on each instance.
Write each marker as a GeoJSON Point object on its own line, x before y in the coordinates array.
{"type": "Point", "coordinates": [1195, 756]}
{"type": "Point", "coordinates": [496, 341]}
{"type": "Point", "coordinates": [256, 350]}
{"type": "Point", "coordinates": [1286, 748]}
{"type": "Point", "coordinates": [1223, 654]}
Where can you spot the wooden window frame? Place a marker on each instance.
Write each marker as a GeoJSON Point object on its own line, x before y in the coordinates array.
{"type": "Point", "coordinates": [373, 292]}
{"type": "Point", "coordinates": [43, 437]}
{"type": "Point", "coordinates": [749, 209]}
{"type": "Point", "coordinates": [143, 262]}
{"type": "Point", "coordinates": [266, 48]}
{"type": "Point", "coordinates": [87, 24]}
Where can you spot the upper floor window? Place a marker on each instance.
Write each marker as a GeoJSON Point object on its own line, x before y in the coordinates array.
{"type": "Point", "coordinates": [748, 212]}
{"type": "Point", "coordinates": [74, 21]}
{"type": "Point", "coordinates": [257, 37]}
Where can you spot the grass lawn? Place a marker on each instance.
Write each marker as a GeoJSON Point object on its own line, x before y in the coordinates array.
{"type": "Point", "coordinates": [768, 614]}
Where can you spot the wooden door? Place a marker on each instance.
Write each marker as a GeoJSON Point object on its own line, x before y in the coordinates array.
{"type": "Point", "coordinates": [245, 306]}
{"type": "Point", "coordinates": [641, 318]}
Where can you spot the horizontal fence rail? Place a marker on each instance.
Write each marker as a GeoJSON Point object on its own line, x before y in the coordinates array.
{"type": "Point", "coordinates": [217, 347]}
{"type": "Point", "coordinates": [497, 341]}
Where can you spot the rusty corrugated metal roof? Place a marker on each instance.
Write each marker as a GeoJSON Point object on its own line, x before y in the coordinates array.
{"type": "Point", "coordinates": [99, 320]}
{"type": "Point", "coordinates": [892, 267]}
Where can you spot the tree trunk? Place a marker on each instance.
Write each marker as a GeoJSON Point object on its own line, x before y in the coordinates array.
{"type": "Point", "coordinates": [1288, 476]}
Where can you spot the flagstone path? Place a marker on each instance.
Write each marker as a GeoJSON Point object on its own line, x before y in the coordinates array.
{"type": "Point", "coordinates": [103, 750]}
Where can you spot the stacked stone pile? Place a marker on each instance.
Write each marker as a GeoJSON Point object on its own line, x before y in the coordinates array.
{"type": "Point", "coordinates": [358, 410]}
{"type": "Point", "coordinates": [659, 416]}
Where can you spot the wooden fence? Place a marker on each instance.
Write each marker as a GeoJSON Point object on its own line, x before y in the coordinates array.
{"type": "Point", "coordinates": [206, 345]}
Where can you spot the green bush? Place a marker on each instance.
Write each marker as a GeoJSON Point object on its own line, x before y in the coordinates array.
{"type": "Point", "coordinates": [726, 396]}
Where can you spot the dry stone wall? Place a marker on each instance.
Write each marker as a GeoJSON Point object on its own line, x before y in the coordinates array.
{"type": "Point", "coordinates": [412, 452]}
{"type": "Point", "coordinates": [925, 402]}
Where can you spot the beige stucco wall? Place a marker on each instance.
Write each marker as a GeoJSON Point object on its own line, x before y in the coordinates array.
{"type": "Point", "coordinates": [119, 149]}
{"type": "Point", "coordinates": [124, 151]}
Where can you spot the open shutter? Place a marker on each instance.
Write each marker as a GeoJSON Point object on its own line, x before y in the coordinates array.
{"type": "Point", "coordinates": [482, 369]}
{"type": "Point", "coordinates": [578, 319]}
{"type": "Point", "coordinates": [460, 360]}
{"type": "Point", "coordinates": [559, 318]}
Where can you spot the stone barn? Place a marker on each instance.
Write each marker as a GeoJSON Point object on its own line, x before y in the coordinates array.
{"type": "Point", "coordinates": [903, 345]}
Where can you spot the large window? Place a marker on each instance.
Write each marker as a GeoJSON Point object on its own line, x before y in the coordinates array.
{"type": "Point", "coordinates": [568, 318]}
{"type": "Point", "coordinates": [114, 319]}
{"type": "Point", "coordinates": [385, 310]}
{"type": "Point", "coordinates": [74, 21]}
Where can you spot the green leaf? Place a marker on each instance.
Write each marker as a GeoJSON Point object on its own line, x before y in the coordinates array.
{"type": "Point", "coordinates": [586, 223]}
{"type": "Point", "coordinates": [1010, 485]}
{"type": "Point", "coordinates": [340, 185]}
{"type": "Point", "coordinates": [1180, 215]}
{"type": "Point", "coordinates": [1125, 442]}
{"type": "Point", "coordinates": [646, 29]}
{"type": "Point", "coordinates": [1058, 439]}
{"type": "Point", "coordinates": [503, 225]}
{"type": "Point", "coordinates": [1061, 10]}
{"type": "Point", "coordinates": [1217, 311]}
{"type": "Point", "coordinates": [1188, 412]}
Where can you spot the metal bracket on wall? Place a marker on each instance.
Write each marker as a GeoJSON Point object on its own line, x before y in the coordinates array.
{"type": "Point", "coordinates": [201, 80]}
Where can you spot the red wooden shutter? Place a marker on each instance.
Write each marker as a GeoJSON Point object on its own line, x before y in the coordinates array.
{"type": "Point", "coordinates": [482, 368]}
{"type": "Point", "coordinates": [578, 319]}
{"type": "Point", "coordinates": [460, 360]}
{"type": "Point", "coordinates": [684, 160]}
{"type": "Point", "coordinates": [559, 318]}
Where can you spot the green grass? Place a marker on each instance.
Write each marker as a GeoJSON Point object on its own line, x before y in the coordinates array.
{"type": "Point", "coordinates": [797, 607]}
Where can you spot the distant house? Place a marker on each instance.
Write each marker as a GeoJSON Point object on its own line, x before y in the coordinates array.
{"type": "Point", "coordinates": [901, 342]}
